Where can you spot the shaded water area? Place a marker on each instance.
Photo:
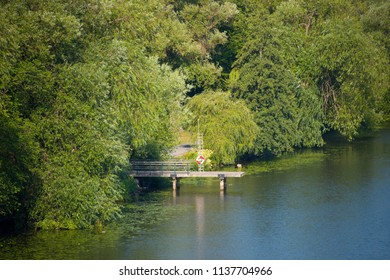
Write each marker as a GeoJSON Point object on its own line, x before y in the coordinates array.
{"type": "Point", "coordinates": [331, 203]}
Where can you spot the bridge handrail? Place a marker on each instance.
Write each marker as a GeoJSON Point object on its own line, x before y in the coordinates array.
{"type": "Point", "coordinates": [148, 162]}
{"type": "Point", "coordinates": [163, 166]}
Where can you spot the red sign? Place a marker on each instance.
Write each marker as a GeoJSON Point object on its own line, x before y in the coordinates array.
{"type": "Point", "coordinates": [200, 159]}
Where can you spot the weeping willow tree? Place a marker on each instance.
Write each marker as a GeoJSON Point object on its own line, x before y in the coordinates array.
{"type": "Point", "coordinates": [81, 93]}
{"type": "Point", "coordinates": [227, 125]}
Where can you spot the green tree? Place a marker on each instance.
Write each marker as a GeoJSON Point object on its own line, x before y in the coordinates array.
{"type": "Point", "coordinates": [299, 50]}
{"type": "Point", "coordinates": [351, 73]}
{"type": "Point", "coordinates": [376, 22]}
{"type": "Point", "coordinates": [205, 21]}
{"type": "Point", "coordinates": [18, 156]}
{"type": "Point", "coordinates": [85, 84]}
{"type": "Point", "coordinates": [339, 60]}
{"type": "Point", "coordinates": [227, 125]}
{"type": "Point", "coordinates": [287, 112]}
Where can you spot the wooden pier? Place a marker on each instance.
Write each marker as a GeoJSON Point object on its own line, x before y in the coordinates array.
{"type": "Point", "coordinates": [176, 170]}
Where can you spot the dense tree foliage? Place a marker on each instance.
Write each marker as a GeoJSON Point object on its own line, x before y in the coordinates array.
{"type": "Point", "coordinates": [287, 113]}
{"type": "Point", "coordinates": [318, 52]}
{"type": "Point", "coordinates": [227, 125]}
{"type": "Point", "coordinates": [84, 91]}
{"type": "Point", "coordinates": [376, 23]}
{"type": "Point", "coordinates": [204, 19]}
{"type": "Point", "coordinates": [87, 85]}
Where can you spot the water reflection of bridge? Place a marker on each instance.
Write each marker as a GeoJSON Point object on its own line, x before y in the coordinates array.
{"type": "Point", "coordinates": [176, 170]}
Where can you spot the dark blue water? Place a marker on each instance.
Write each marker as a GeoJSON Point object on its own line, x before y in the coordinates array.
{"type": "Point", "coordinates": [332, 203]}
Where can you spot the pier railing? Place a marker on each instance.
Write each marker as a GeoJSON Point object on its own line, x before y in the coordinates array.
{"type": "Point", "coordinates": [161, 167]}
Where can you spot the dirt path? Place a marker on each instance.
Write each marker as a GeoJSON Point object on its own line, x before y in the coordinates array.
{"type": "Point", "coordinates": [181, 150]}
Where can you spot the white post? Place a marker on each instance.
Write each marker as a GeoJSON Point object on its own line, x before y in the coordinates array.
{"type": "Point", "coordinates": [175, 183]}
{"type": "Point", "coordinates": [222, 182]}
{"type": "Point", "coordinates": [200, 148]}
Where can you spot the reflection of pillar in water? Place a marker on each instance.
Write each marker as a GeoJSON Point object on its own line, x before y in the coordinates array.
{"type": "Point", "coordinates": [175, 194]}
{"type": "Point", "coordinates": [222, 194]}
{"type": "Point", "coordinates": [200, 223]}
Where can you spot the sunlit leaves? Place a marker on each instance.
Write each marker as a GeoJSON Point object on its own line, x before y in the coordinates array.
{"type": "Point", "coordinates": [87, 78]}
{"type": "Point", "coordinates": [227, 125]}
{"type": "Point", "coordinates": [204, 19]}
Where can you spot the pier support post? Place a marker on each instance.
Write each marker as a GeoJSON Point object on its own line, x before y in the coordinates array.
{"type": "Point", "coordinates": [175, 183]}
{"type": "Point", "coordinates": [136, 180]}
{"type": "Point", "coordinates": [222, 182]}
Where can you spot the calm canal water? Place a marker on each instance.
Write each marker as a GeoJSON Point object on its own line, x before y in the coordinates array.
{"type": "Point", "coordinates": [332, 203]}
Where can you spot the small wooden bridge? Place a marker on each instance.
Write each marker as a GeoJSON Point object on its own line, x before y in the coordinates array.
{"type": "Point", "coordinates": [176, 170]}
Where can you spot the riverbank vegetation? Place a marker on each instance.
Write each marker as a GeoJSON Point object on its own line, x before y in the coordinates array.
{"type": "Point", "coordinates": [87, 85]}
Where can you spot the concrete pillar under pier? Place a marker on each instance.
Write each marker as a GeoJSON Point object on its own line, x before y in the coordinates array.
{"type": "Point", "coordinates": [222, 182]}
{"type": "Point", "coordinates": [175, 183]}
